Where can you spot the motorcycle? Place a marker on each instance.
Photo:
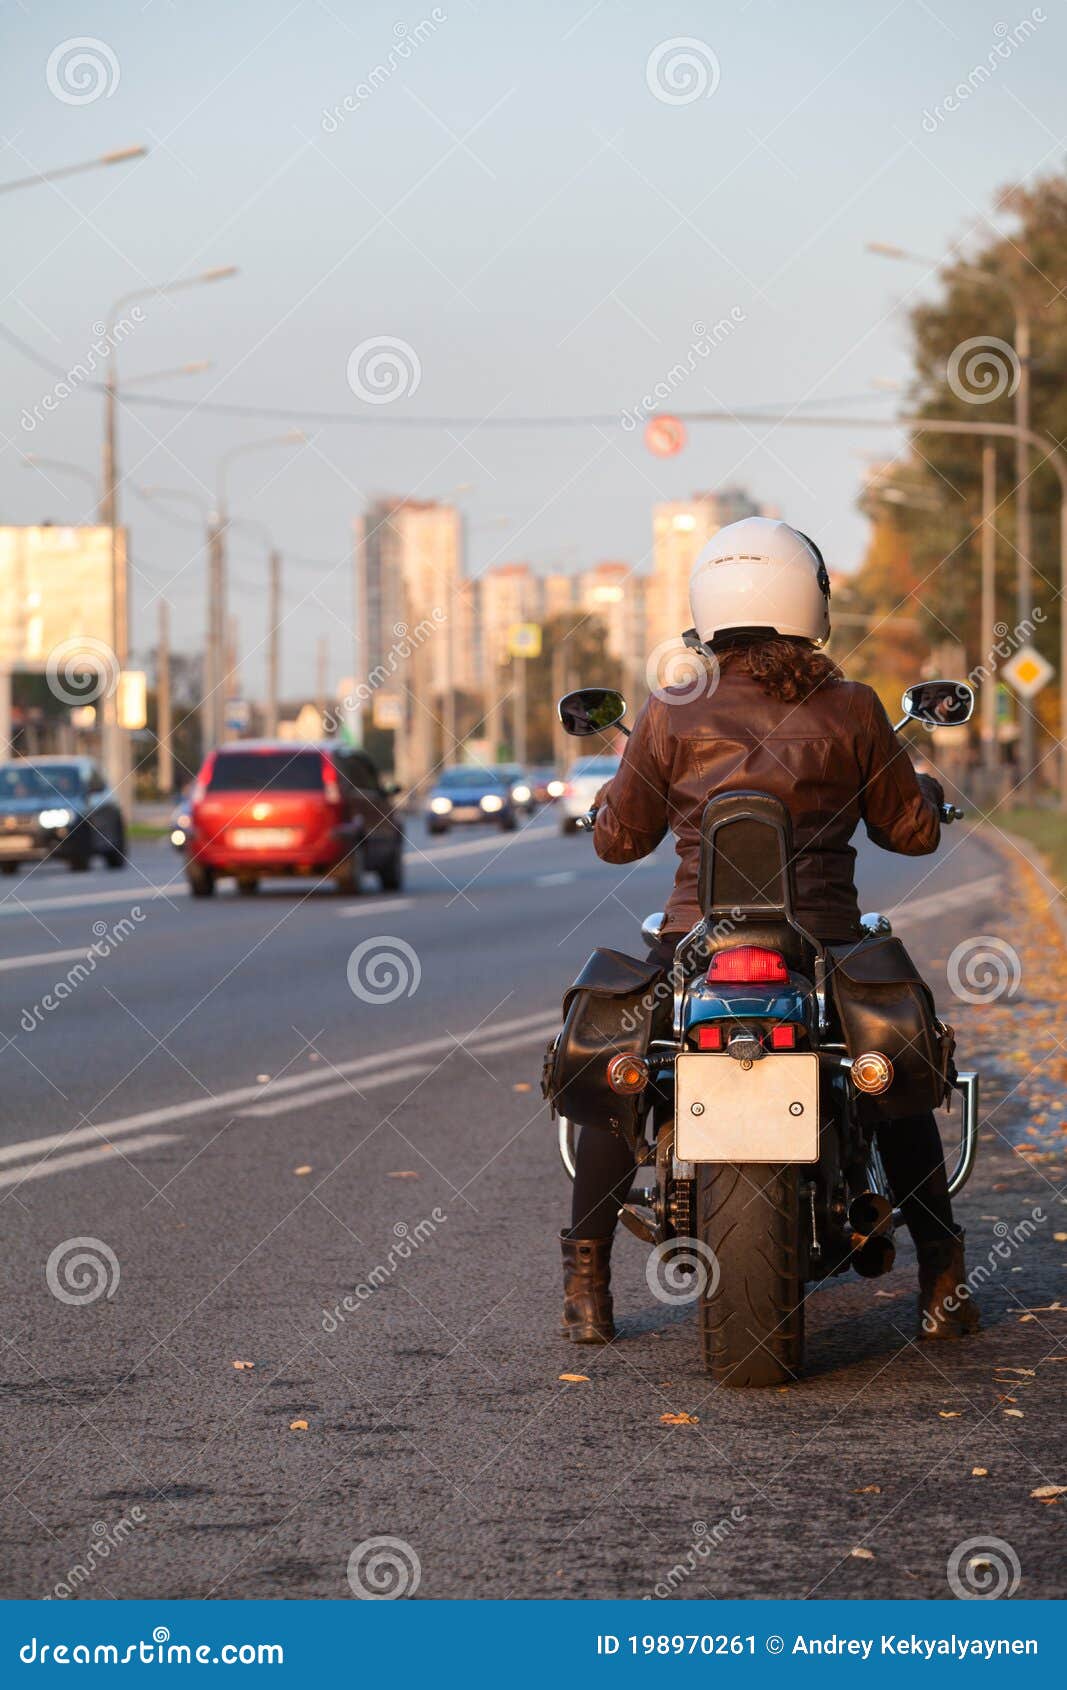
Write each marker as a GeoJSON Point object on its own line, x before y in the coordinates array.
{"type": "Point", "coordinates": [765, 1173]}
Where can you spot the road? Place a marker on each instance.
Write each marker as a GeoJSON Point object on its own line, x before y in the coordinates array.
{"type": "Point", "coordinates": [228, 1103]}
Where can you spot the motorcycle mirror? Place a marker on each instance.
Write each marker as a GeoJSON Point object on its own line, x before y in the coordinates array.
{"type": "Point", "coordinates": [938, 704]}
{"type": "Point", "coordinates": [591, 710]}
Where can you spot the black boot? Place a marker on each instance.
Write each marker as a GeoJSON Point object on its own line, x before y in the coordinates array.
{"type": "Point", "coordinates": [946, 1306]}
{"type": "Point", "coordinates": [587, 1313]}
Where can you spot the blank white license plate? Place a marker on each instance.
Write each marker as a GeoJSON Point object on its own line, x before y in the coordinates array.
{"type": "Point", "coordinates": [767, 1113]}
{"type": "Point", "coordinates": [263, 838]}
{"type": "Point", "coordinates": [15, 841]}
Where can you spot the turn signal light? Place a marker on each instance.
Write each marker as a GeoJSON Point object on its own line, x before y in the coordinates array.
{"type": "Point", "coordinates": [749, 963]}
{"type": "Point", "coordinates": [784, 1037]}
{"type": "Point", "coordinates": [709, 1038]}
{"type": "Point", "coordinates": [872, 1073]}
{"type": "Point", "coordinates": [627, 1075]}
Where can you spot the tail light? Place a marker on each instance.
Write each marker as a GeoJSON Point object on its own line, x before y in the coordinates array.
{"type": "Point", "coordinates": [203, 781]}
{"type": "Point", "coordinates": [627, 1075]}
{"type": "Point", "coordinates": [330, 784]}
{"type": "Point", "coordinates": [748, 963]}
{"type": "Point", "coordinates": [710, 1037]}
{"type": "Point", "coordinates": [784, 1037]}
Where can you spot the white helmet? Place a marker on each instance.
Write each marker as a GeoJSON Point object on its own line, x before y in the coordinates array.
{"type": "Point", "coordinates": [760, 575]}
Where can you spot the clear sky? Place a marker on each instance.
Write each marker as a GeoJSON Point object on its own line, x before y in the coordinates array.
{"type": "Point", "coordinates": [513, 198]}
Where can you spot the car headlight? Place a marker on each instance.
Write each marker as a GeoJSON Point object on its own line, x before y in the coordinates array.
{"type": "Point", "coordinates": [556, 788]}
{"type": "Point", "coordinates": [521, 794]}
{"type": "Point", "coordinates": [177, 837]}
{"type": "Point", "coordinates": [491, 803]}
{"type": "Point", "coordinates": [440, 806]}
{"type": "Point", "coordinates": [55, 818]}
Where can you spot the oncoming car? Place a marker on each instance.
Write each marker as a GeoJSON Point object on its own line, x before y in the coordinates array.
{"type": "Point", "coordinates": [58, 807]}
{"type": "Point", "coordinates": [583, 782]}
{"type": "Point", "coordinates": [470, 794]}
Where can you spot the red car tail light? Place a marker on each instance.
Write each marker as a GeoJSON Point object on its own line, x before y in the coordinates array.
{"type": "Point", "coordinates": [784, 1037]}
{"type": "Point", "coordinates": [709, 1038]}
{"type": "Point", "coordinates": [750, 964]}
{"type": "Point", "coordinates": [331, 786]}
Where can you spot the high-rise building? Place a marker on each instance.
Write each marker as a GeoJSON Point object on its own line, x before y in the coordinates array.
{"type": "Point", "coordinates": [557, 595]}
{"type": "Point", "coordinates": [612, 592]}
{"type": "Point", "coordinates": [679, 531]}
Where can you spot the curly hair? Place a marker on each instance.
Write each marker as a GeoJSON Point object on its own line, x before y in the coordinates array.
{"type": "Point", "coordinates": [787, 669]}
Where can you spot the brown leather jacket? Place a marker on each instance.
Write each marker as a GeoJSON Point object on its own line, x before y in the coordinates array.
{"type": "Point", "coordinates": [833, 760]}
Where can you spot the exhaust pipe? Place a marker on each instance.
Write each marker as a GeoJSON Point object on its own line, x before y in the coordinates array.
{"type": "Point", "coordinates": [871, 1257]}
{"type": "Point", "coordinates": [871, 1215]}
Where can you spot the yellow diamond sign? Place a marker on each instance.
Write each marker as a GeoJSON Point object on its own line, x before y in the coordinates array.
{"type": "Point", "coordinates": [1027, 672]}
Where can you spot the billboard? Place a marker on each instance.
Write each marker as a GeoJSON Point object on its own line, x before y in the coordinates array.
{"type": "Point", "coordinates": [55, 591]}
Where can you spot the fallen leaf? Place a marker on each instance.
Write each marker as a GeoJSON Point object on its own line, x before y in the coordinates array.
{"type": "Point", "coordinates": [948, 1413]}
{"type": "Point", "coordinates": [304, 1168]}
{"type": "Point", "coordinates": [862, 1554]}
{"type": "Point", "coordinates": [868, 1490]}
{"type": "Point", "coordinates": [1024, 1372]}
{"type": "Point", "coordinates": [261, 1079]}
{"type": "Point", "coordinates": [521, 1085]}
{"type": "Point", "coordinates": [1023, 1318]}
{"type": "Point", "coordinates": [1044, 1492]}
{"type": "Point", "coordinates": [402, 1173]}
{"type": "Point", "coordinates": [298, 1425]}
{"type": "Point", "coordinates": [1060, 1237]}
{"type": "Point", "coordinates": [979, 1472]}
{"type": "Point", "coordinates": [242, 1364]}
{"type": "Point", "coordinates": [575, 1378]}
{"type": "Point", "coordinates": [679, 1419]}
{"type": "Point", "coordinates": [1015, 1413]}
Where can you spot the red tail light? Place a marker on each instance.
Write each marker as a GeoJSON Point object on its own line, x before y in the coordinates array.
{"type": "Point", "coordinates": [784, 1037]}
{"type": "Point", "coordinates": [709, 1038]}
{"type": "Point", "coordinates": [330, 785]}
{"type": "Point", "coordinates": [749, 963]}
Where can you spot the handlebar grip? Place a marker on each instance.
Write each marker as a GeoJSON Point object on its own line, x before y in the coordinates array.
{"type": "Point", "coordinates": [951, 813]}
{"type": "Point", "coordinates": [586, 823]}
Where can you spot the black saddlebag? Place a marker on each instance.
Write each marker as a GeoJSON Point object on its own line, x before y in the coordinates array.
{"type": "Point", "coordinates": [883, 1003]}
{"type": "Point", "coordinates": [611, 1010]}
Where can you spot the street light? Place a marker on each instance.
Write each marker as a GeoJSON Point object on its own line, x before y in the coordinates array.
{"type": "Point", "coordinates": [1023, 592]}
{"type": "Point", "coordinates": [218, 676]}
{"type": "Point", "coordinates": [115, 745]}
{"type": "Point", "coordinates": [122, 155]}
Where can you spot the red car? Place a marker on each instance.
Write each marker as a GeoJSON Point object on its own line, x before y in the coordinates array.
{"type": "Point", "coordinates": [263, 809]}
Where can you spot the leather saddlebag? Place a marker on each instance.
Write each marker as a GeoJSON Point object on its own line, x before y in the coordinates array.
{"type": "Point", "coordinates": [883, 1003]}
{"type": "Point", "coordinates": [610, 1010]}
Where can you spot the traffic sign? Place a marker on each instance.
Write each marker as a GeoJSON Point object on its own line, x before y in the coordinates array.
{"type": "Point", "coordinates": [1028, 671]}
{"type": "Point", "coordinates": [524, 639]}
{"type": "Point", "coordinates": [665, 436]}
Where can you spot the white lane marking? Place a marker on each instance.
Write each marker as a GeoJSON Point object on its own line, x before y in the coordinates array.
{"type": "Point", "coordinates": [11, 904]}
{"type": "Point", "coordinates": [377, 908]}
{"type": "Point", "coordinates": [40, 957]}
{"type": "Point", "coordinates": [259, 1094]}
{"type": "Point", "coordinates": [923, 909]}
{"type": "Point", "coordinates": [407, 1071]}
{"type": "Point", "coordinates": [101, 1154]}
{"type": "Point", "coordinates": [563, 879]}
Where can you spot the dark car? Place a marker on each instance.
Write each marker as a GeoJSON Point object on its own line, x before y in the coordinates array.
{"type": "Point", "coordinates": [265, 808]}
{"type": "Point", "coordinates": [471, 794]}
{"type": "Point", "coordinates": [546, 784]}
{"type": "Point", "coordinates": [58, 807]}
{"type": "Point", "coordinates": [521, 791]}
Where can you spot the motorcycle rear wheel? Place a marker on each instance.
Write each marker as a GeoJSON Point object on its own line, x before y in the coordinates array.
{"type": "Point", "coordinates": [751, 1309]}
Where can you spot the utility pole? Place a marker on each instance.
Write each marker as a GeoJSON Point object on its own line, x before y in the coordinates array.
{"type": "Point", "coordinates": [274, 616]}
{"type": "Point", "coordinates": [116, 747]}
{"type": "Point", "coordinates": [213, 706]}
{"type": "Point", "coordinates": [519, 747]}
{"type": "Point", "coordinates": [989, 685]}
{"type": "Point", "coordinates": [1023, 535]}
{"type": "Point", "coordinates": [164, 724]}
{"type": "Point", "coordinates": [322, 671]}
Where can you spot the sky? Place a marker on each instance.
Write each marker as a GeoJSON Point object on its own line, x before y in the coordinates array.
{"type": "Point", "coordinates": [541, 209]}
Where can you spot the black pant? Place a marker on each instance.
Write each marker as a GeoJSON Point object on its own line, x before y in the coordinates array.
{"type": "Point", "coordinates": [910, 1148]}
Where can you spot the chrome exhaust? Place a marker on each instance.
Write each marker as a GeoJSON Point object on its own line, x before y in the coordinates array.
{"type": "Point", "coordinates": [871, 1257]}
{"type": "Point", "coordinates": [870, 1215]}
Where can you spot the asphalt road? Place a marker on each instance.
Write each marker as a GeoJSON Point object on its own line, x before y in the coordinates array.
{"type": "Point", "coordinates": [229, 1105]}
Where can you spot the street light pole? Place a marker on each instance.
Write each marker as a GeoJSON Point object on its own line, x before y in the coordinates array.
{"type": "Point", "coordinates": [122, 155]}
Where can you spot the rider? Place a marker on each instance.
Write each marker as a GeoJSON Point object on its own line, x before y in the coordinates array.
{"type": "Point", "coordinates": [776, 714]}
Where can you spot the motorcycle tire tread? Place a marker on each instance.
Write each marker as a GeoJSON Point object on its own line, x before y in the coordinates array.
{"type": "Point", "coordinates": [752, 1313]}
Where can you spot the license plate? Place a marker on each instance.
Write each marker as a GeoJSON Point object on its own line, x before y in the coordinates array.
{"type": "Point", "coordinates": [724, 1112]}
{"type": "Point", "coordinates": [263, 838]}
{"type": "Point", "coordinates": [467, 812]}
{"type": "Point", "coordinates": [15, 841]}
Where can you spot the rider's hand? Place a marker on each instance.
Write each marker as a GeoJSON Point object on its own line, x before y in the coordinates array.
{"type": "Point", "coordinates": [932, 790]}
